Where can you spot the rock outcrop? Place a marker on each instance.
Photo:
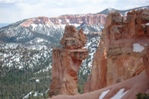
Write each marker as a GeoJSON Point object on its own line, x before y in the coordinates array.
{"type": "Point", "coordinates": [122, 59]}
{"type": "Point", "coordinates": [66, 62]}
{"type": "Point", "coordinates": [73, 39]}
{"type": "Point", "coordinates": [120, 53]}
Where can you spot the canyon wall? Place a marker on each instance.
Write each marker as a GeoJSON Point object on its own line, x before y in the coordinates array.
{"type": "Point", "coordinates": [66, 62]}
{"type": "Point", "coordinates": [90, 19]}
{"type": "Point", "coordinates": [80, 18]}
{"type": "Point", "coordinates": [120, 52]}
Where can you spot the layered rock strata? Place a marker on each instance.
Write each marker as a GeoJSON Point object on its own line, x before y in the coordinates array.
{"type": "Point", "coordinates": [119, 55]}
{"type": "Point", "coordinates": [121, 59]}
{"type": "Point", "coordinates": [66, 62]}
{"type": "Point", "coordinates": [68, 19]}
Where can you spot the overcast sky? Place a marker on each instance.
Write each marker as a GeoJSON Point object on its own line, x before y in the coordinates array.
{"type": "Point", "coordinates": [15, 10]}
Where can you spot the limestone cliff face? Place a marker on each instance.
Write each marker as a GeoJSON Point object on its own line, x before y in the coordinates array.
{"type": "Point", "coordinates": [66, 62]}
{"type": "Point", "coordinates": [124, 90]}
{"type": "Point", "coordinates": [123, 54]}
{"type": "Point", "coordinates": [121, 49]}
{"type": "Point", "coordinates": [80, 18]}
{"type": "Point", "coordinates": [68, 19]}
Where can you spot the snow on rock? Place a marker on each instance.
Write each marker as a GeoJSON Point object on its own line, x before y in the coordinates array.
{"type": "Point", "coordinates": [103, 94]}
{"type": "Point", "coordinates": [35, 94]}
{"type": "Point", "coordinates": [26, 96]}
{"type": "Point", "coordinates": [119, 94]}
{"type": "Point", "coordinates": [37, 80]}
{"type": "Point", "coordinates": [60, 20]}
{"type": "Point", "coordinates": [34, 25]}
{"type": "Point", "coordinates": [44, 69]}
{"type": "Point", "coordinates": [67, 20]}
{"type": "Point", "coordinates": [137, 47]}
{"type": "Point", "coordinates": [147, 23]}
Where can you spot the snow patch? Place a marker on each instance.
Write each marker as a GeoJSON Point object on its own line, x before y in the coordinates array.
{"type": "Point", "coordinates": [40, 40]}
{"type": "Point", "coordinates": [44, 70]}
{"type": "Point", "coordinates": [67, 20]}
{"type": "Point", "coordinates": [26, 96]}
{"type": "Point", "coordinates": [37, 80]}
{"type": "Point", "coordinates": [34, 25]}
{"type": "Point", "coordinates": [35, 94]}
{"type": "Point", "coordinates": [147, 23]}
{"type": "Point", "coordinates": [119, 94]}
{"type": "Point", "coordinates": [103, 94]}
{"type": "Point", "coordinates": [137, 47]}
{"type": "Point", "coordinates": [60, 20]}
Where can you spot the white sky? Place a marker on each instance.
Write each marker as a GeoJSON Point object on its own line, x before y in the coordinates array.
{"type": "Point", "coordinates": [15, 10]}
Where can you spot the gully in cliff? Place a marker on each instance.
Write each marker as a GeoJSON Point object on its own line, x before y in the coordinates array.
{"type": "Point", "coordinates": [66, 62]}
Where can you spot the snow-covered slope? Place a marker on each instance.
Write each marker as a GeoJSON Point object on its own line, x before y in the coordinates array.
{"type": "Point", "coordinates": [38, 35]}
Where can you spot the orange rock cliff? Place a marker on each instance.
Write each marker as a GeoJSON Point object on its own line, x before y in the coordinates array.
{"type": "Point", "coordinates": [66, 62]}
{"type": "Point", "coordinates": [119, 56]}
{"type": "Point", "coordinates": [121, 63]}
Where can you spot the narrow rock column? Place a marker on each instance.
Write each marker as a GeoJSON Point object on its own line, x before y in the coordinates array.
{"type": "Point", "coordinates": [66, 62]}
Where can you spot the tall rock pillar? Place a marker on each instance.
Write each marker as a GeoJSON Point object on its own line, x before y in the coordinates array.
{"type": "Point", "coordinates": [66, 62]}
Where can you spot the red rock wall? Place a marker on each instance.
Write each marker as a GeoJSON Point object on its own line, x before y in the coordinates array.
{"type": "Point", "coordinates": [88, 18]}
{"type": "Point", "coordinates": [130, 87]}
{"type": "Point", "coordinates": [67, 19]}
{"type": "Point", "coordinates": [116, 58]}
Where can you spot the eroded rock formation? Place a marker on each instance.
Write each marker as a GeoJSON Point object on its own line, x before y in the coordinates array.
{"type": "Point", "coordinates": [122, 56]}
{"type": "Point", "coordinates": [66, 62]}
{"type": "Point", "coordinates": [119, 55]}
{"type": "Point", "coordinates": [73, 39]}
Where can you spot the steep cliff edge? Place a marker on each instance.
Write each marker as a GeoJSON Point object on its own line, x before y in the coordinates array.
{"type": "Point", "coordinates": [119, 55]}
{"type": "Point", "coordinates": [66, 62]}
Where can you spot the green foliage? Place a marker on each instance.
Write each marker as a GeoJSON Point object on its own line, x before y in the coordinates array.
{"type": "Point", "coordinates": [82, 79]}
{"type": "Point", "coordinates": [142, 96]}
{"type": "Point", "coordinates": [16, 83]}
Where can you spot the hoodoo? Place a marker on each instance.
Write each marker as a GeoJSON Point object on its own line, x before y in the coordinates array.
{"type": "Point", "coordinates": [66, 62]}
